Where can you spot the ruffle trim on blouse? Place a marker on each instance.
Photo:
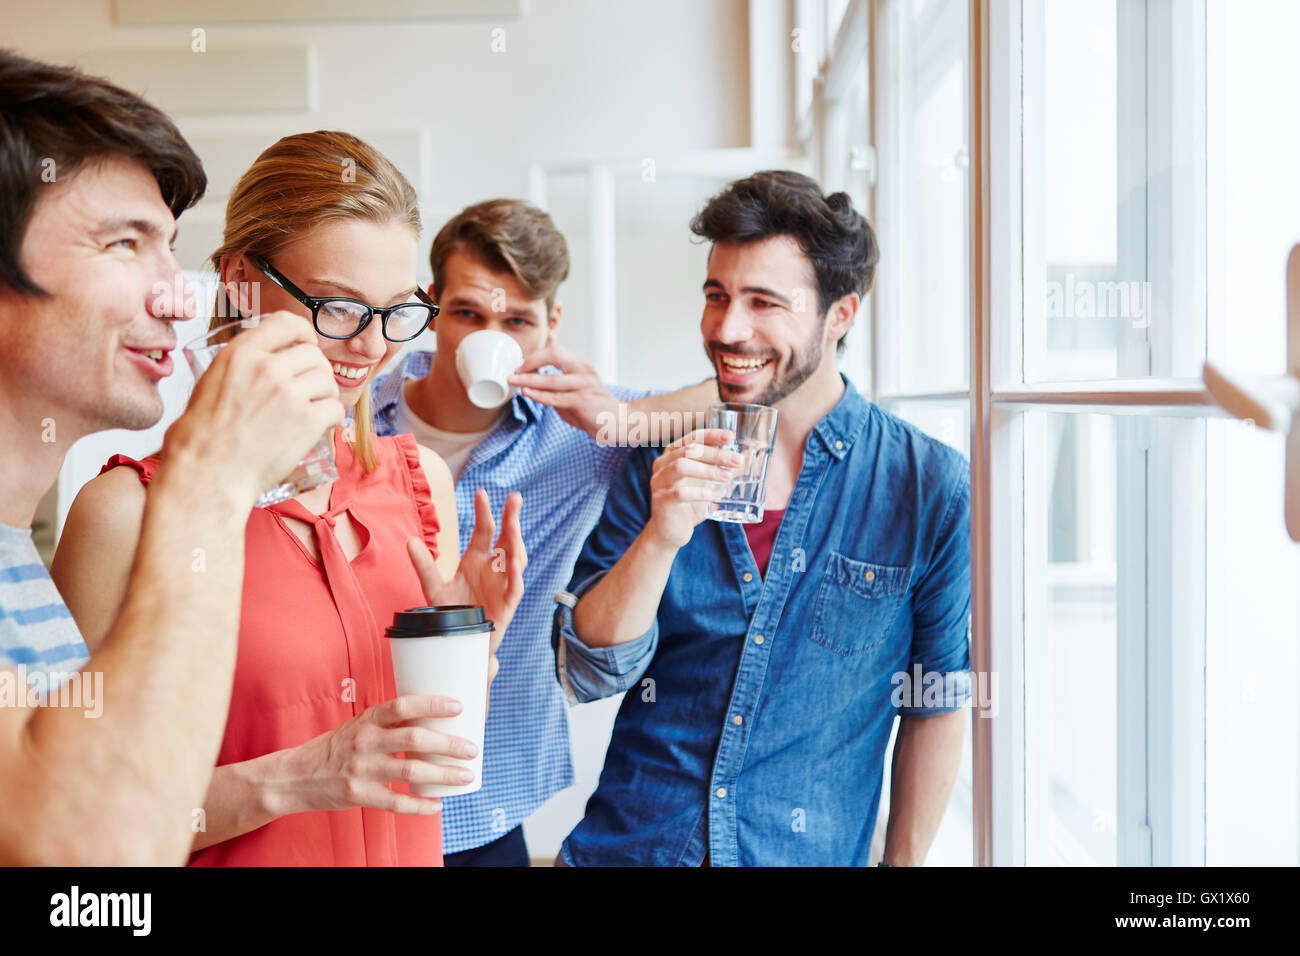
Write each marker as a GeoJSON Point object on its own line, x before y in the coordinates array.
{"type": "Point", "coordinates": [429, 525]}
{"type": "Point", "coordinates": [145, 469]}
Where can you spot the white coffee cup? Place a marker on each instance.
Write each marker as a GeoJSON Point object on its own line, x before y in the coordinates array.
{"type": "Point", "coordinates": [445, 651]}
{"type": "Point", "coordinates": [485, 361]}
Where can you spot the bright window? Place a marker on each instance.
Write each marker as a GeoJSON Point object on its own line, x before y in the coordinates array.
{"type": "Point", "coordinates": [1124, 172]}
{"type": "Point", "coordinates": [1141, 199]}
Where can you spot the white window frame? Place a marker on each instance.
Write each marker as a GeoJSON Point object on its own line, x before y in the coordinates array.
{"type": "Point", "coordinates": [1160, 803]}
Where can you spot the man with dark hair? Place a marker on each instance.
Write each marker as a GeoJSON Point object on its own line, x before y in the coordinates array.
{"type": "Point", "coordinates": [497, 265]}
{"type": "Point", "coordinates": [92, 179]}
{"type": "Point", "coordinates": [762, 661]}
{"type": "Point", "coordinates": [834, 237]}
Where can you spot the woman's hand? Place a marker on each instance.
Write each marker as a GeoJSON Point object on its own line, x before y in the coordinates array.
{"type": "Point", "coordinates": [353, 765]}
{"type": "Point", "coordinates": [492, 578]}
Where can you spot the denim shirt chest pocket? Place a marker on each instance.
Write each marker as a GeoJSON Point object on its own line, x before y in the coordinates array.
{"type": "Point", "coordinates": [857, 603]}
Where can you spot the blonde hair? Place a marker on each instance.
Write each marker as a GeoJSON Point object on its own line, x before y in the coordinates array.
{"type": "Point", "coordinates": [299, 183]}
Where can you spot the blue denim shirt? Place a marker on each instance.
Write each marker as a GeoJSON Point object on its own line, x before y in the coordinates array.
{"type": "Point", "coordinates": [759, 709]}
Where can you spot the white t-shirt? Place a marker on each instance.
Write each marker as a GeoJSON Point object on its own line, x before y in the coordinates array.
{"type": "Point", "coordinates": [452, 447]}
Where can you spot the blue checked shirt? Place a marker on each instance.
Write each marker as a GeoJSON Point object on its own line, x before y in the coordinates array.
{"type": "Point", "coordinates": [563, 474]}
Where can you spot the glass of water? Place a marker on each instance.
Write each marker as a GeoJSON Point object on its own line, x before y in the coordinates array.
{"type": "Point", "coordinates": [754, 428]}
{"type": "Point", "coordinates": [316, 469]}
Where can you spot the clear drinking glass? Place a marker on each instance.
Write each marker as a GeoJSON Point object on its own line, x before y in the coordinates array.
{"type": "Point", "coordinates": [754, 427]}
{"type": "Point", "coordinates": [315, 469]}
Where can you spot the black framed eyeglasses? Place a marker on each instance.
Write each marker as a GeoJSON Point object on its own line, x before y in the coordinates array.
{"type": "Point", "coordinates": [339, 317]}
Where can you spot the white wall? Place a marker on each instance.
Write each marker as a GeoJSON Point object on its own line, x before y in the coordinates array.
{"type": "Point", "coordinates": [578, 81]}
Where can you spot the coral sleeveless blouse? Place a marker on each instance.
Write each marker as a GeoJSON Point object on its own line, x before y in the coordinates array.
{"type": "Point", "coordinates": [312, 652]}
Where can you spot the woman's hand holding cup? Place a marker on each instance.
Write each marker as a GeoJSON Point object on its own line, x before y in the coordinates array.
{"type": "Point", "coordinates": [353, 765]}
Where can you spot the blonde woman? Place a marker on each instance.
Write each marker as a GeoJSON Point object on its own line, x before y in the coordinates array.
{"type": "Point", "coordinates": [311, 770]}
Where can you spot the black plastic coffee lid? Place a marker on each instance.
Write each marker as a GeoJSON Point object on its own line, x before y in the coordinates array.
{"type": "Point", "coordinates": [444, 621]}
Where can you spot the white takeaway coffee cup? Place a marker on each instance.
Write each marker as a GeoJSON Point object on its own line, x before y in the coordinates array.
{"type": "Point", "coordinates": [485, 361]}
{"type": "Point", "coordinates": [445, 651]}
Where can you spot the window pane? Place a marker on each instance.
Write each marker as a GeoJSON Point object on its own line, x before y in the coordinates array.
{"type": "Point", "coordinates": [922, 292]}
{"type": "Point", "coordinates": [1071, 687]}
{"type": "Point", "coordinates": [835, 10]}
{"type": "Point", "coordinates": [1254, 179]}
{"type": "Point", "coordinates": [1162, 618]}
{"type": "Point", "coordinates": [1071, 217]}
{"type": "Point", "coordinates": [1079, 136]}
{"type": "Point", "coordinates": [1253, 654]}
{"type": "Point", "coordinates": [1115, 232]}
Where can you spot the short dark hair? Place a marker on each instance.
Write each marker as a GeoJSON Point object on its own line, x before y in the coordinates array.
{"type": "Point", "coordinates": [506, 235]}
{"type": "Point", "coordinates": [832, 234]}
{"type": "Point", "coordinates": [59, 113]}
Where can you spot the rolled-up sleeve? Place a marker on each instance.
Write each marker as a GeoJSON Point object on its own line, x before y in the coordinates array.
{"type": "Point", "coordinates": [941, 613]}
{"type": "Point", "coordinates": [589, 673]}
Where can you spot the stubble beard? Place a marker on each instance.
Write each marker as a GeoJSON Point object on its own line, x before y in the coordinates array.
{"type": "Point", "coordinates": [806, 362]}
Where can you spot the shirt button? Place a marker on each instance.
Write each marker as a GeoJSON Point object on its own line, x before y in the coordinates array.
{"type": "Point", "coordinates": [870, 575]}
{"type": "Point", "coordinates": [747, 577]}
{"type": "Point", "coordinates": [839, 445]}
{"type": "Point", "coordinates": [758, 638]}
{"type": "Point", "coordinates": [722, 792]}
{"type": "Point", "coordinates": [738, 720]}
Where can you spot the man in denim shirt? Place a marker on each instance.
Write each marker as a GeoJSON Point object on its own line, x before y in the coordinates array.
{"type": "Point", "coordinates": [766, 663]}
